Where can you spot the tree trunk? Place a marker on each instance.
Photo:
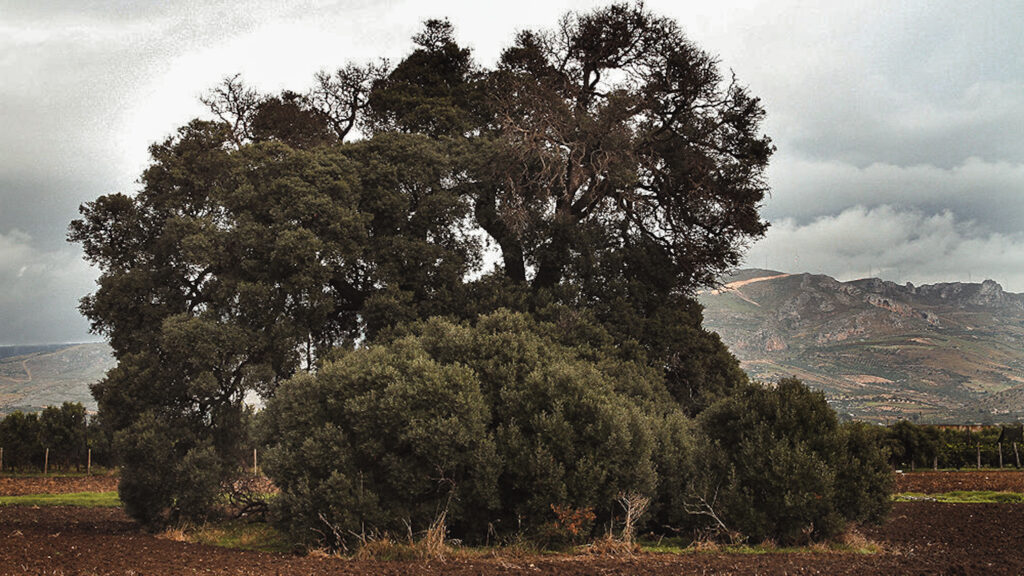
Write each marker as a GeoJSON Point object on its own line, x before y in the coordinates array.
{"type": "Point", "coordinates": [486, 212]}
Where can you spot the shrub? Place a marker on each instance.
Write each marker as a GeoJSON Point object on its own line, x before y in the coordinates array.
{"type": "Point", "coordinates": [863, 476]}
{"type": "Point", "coordinates": [164, 482]}
{"type": "Point", "coordinates": [493, 422]}
{"type": "Point", "coordinates": [782, 467]}
{"type": "Point", "coordinates": [379, 437]}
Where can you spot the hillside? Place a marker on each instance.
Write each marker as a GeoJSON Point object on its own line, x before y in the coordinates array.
{"type": "Point", "coordinates": [951, 352]}
{"type": "Point", "coordinates": [32, 377]}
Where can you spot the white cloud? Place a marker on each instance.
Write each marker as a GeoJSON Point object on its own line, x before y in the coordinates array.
{"type": "Point", "coordinates": [895, 244]}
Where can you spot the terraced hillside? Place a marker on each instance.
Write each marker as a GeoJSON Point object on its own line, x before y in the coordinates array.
{"type": "Point", "coordinates": [950, 352]}
{"type": "Point", "coordinates": [32, 377]}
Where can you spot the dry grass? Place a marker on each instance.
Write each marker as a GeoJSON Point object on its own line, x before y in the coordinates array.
{"type": "Point", "coordinates": [321, 553]}
{"type": "Point", "coordinates": [231, 534]}
{"type": "Point", "coordinates": [854, 541]}
{"type": "Point", "coordinates": [706, 545]}
{"type": "Point", "coordinates": [433, 544]}
{"type": "Point", "coordinates": [175, 534]}
{"type": "Point", "coordinates": [609, 545]}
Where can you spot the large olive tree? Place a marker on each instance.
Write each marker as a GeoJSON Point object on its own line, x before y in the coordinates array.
{"type": "Point", "coordinates": [608, 162]}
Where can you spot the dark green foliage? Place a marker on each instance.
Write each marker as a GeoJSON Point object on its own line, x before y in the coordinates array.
{"type": "Point", "coordinates": [19, 436]}
{"type": "Point", "coordinates": [431, 91]}
{"type": "Point", "coordinates": [495, 422]}
{"type": "Point", "coordinates": [785, 469]}
{"type": "Point", "coordinates": [63, 431]}
{"type": "Point", "coordinates": [699, 369]}
{"type": "Point", "coordinates": [379, 436]}
{"type": "Point", "coordinates": [233, 269]}
{"type": "Point", "coordinates": [908, 445]}
{"type": "Point", "coordinates": [863, 476]}
{"type": "Point", "coordinates": [613, 169]}
{"type": "Point", "coordinates": [171, 471]}
{"type": "Point", "coordinates": [922, 445]}
{"type": "Point", "coordinates": [680, 457]}
{"type": "Point", "coordinates": [100, 441]}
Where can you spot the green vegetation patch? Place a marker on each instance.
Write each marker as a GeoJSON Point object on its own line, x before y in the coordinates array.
{"type": "Point", "coordinates": [86, 499]}
{"type": "Point", "coordinates": [963, 497]}
{"type": "Point", "coordinates": [237, 534]}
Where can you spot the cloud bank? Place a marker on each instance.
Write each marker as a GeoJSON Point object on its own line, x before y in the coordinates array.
{"type": "Point", "coordinates": [898, 126]}
{"type": "Point", "coordinates": [901, 245]}
{"type": "Point", "coordinates": [28, 316]}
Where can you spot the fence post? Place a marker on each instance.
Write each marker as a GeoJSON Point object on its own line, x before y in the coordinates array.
{"type": "Point", "coordinates": [1016, 454]}
{"type": "Point", "coordinates": [255, 464]}
{"type": "Point", "coordinates": [88, 462]}
{"type": "Point", "coordinates": [935, 462]}
{"type": "Point", "coordinates": [979, 455]}
{"type": "Point", "coordinates": [1, 460]}
{"type": "Point", "coordinates": [46, 462]}
{"type": "Point", "coordinates": [1000, 446]}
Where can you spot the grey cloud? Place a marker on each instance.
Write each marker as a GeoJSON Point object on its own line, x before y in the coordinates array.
{"type": "Point", "coordinates": [903, 118]}
{"type": "Point", "coordinates": [990, 194]}
{"type": "Point", "coordinates": [899, 83]}
{"type": "Point", "coordinates": [39, 293]}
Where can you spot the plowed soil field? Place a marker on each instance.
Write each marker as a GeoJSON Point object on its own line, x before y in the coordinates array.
{"type": "Point", "coordinates": [16, 486]}
{"type": "Point", "coordinates": [931, 482]}
{"type": "Point", "coordinates": [919, 538]}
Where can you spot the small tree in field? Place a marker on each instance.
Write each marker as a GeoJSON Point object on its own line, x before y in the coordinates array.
{"type": "Point", "coordinates": [786, 469]}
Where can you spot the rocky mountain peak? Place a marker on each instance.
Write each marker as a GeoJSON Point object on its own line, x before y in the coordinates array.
{"type": "Point", "coordinates": [879, 350]}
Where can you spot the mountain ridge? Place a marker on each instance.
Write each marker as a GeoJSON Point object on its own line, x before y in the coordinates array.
{"type": "Point", "coordinates": [949, 351]}
{"type": "Point", "coordinates": [36, 376]}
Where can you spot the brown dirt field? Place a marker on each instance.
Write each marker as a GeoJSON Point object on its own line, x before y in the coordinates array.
{"type": "Point", "coordinates": [932, 482]}
{"type": "Point", "coordinates": [920, 538]}
{"type": "Point", "coordinates": [18, 485]}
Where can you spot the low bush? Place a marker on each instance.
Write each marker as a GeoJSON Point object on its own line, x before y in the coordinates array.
{"type": "Point", "coordinates": [780, 466]}
{"type": "Point", "coordinates": [492, 423]}
{"type": "Point", "coordinates": [513, 426]}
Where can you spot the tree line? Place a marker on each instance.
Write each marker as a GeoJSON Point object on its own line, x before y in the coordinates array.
{"type": "Point", "coordinates": [65, 430]}
{"type": "Point", "coordinates": [462, 289]}
{"type": "Point", "coordinates": [914, 446]}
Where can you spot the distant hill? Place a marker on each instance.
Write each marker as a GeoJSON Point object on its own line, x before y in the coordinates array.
{"type": "Point", "coordinates": [951, 352]}
{"type": "Point", "coordinates": [33, 377]}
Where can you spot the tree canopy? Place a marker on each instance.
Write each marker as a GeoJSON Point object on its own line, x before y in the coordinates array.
{"type": "Point", "coordinates": [606, 166]}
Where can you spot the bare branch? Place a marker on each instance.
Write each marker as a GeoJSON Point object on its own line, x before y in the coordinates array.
{"type": "Point", "coordinates": [234, 104]}
{"type": "Point", "coordinates": [341, 97]}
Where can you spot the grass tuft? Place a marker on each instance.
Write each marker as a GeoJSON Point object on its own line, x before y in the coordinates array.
{"type": "Point", "coordinates": [237, 534]}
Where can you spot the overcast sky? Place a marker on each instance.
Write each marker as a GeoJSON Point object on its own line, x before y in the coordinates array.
{"type": "Point", "coordinates": [899, 125]}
